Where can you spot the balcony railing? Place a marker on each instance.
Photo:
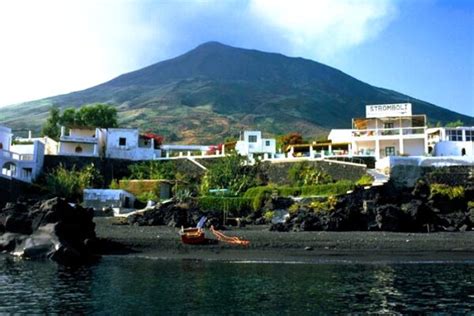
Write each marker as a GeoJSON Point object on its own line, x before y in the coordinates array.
{"type": "Point", "coordinates": [15, 156]}
{"type": "Point", "coordinates": [388, 131]}
{"type": "Point", "coordinates": [78, 139]}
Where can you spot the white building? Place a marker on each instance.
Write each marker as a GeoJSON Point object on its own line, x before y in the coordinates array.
{"type": "Point", "coordinates": [20, 162]}
{"type": "Point", "coordinates": [51, 146]}
{"type": "Point", "coordinates": [387, 130]}
{"type": "Point", "coordinates": [120, 201]}
{"type": "Point", "coordinates": [451, 141]}
{"type": "Point", "coordinates": [127, 143]}
{"type": "Point", "coordinates": [82, 141]}
{"type": "Point", "coordinates": [251, 143]}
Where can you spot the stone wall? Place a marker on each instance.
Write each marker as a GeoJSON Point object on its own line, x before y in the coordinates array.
{"type": "Point", "coordinates": [406, 176]}
{"type": "Point", "coordinates": [11, 190]}
{"type": "Point", "coordinates": [278, 172]}
{"type": "Point", "coordinates": [114, 168]}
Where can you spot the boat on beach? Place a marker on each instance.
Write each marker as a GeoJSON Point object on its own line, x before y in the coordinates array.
{"type": "Point", "coordinates": [192, 235]}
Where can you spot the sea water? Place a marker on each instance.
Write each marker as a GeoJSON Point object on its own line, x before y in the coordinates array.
{"type": "Point", "coordinates": [133, 285]}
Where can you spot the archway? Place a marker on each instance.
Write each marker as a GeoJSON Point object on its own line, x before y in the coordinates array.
{"type": "Point", "coordinates": [9, 169]}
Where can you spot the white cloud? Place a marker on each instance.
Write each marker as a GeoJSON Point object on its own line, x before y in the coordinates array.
{"type": "Point", "coordinates": [52, 46]}
{"type": "Point", "coordinates": [322, 28]}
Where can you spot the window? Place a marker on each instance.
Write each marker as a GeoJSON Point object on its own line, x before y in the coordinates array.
{"type": "Point", "coordinates": [122, 141]}
{"type": "Point", "coordinates": [78, 149]}
{"type": "Point", "coordinates": [27, 172]}
{"type": "Point", "coordinates": [389, 151]}
{"type": "Point", "coordinates": [388, 125]}
{"type": "Point", "coordinates": [267, 143]}
{"type": "Point", "coordinates": [454, 135]}
{"type": "Point", "coordinates": [469, 135]}
{"type": "Point", "coordinates": [252, 138]}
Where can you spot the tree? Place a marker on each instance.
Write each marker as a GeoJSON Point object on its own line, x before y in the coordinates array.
{"type": "Point", "coordinates": [51, 126]}
{"type": "Point", "coordinates": [455, 123]}
{"type": "Point", "coordinates": [153, 170]}
{"type": "Point", "coordinates": [69, 117]}
{"type": "Point", "coordinates": [231, 173]}
{"type": "Point", "coordinates": [292, 138]}
{"type": "Point", "coordinates": [94, 115]}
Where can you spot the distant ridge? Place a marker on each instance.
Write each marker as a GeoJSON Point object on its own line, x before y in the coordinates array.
{"type": "Point", "coordinates": [215, 90]}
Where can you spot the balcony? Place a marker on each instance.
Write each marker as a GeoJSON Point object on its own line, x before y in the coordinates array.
{"type": "Point", "coordinates": [409, 132]}
{"type": "Point", "coordinates": [15, 156]}
{"type": "Point", "coordinates": [78, 139]}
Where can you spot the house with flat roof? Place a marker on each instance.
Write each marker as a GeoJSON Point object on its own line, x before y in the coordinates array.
{"type": "Point", "coordinates": [128, 143]}
{"type": "Point", "coordinates": [387, 130]}
{"type": "Point", "coordinates": [20, 162]}
{"type": "Point", "coordinates": [82, 141]}
{"type": "Point", "coordinates": [251, 143]}
{"type": "Point", "coordinates": [451, 141]}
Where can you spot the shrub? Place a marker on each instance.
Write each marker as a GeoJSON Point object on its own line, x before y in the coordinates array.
{"type": "Point", "coordinates": [70, 184]}
{"type": "Point", "coordinates": [231, 173]}
{"type": "Point", "coordinates": [258, 196]}
{"type": "Point", "coordinates": [365, 180]}
{"type": "Point", "coordinates": [236, 206]}
{"type": "Point", "coordinates": [144, 197]}
{"type": "Point", "coordinates": [337, 188]}
{"type": "Point", "coordinates": [293, 209]}
{"type": "Point", "coordinates": [153, 170]}
{"type": "Point", "coordinates": [269, 216]}
{"type": "Point", "coordinates": [303, 173]}
{"type": "Point", "coordinates": [324, 206]}
{"type": "Point", "coordinates": [470, 204]}
{"type": "Point", "coordinates": [452, 192]}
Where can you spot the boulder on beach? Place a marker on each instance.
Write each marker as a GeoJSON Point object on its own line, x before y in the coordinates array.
{"type": "Point", "coordinates": [52, 228]}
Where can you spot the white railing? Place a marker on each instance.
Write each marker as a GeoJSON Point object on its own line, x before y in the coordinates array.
{"type": "Point", "coordinates": [15, 156]}
{"type": "Point", "coordinates": [78, 139]}
{"type": "Point", "coordinates": [388, 131]}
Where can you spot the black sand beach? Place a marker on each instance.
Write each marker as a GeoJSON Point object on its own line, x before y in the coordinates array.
{"type": "Point", "coordinates": [163, 242]}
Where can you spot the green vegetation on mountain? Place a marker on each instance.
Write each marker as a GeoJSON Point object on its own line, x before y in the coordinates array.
{"type": "Point", "coordinates": [214, 91]}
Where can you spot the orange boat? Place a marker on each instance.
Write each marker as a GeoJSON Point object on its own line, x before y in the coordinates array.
{"type": "Point", "coordinates": [193, 236]}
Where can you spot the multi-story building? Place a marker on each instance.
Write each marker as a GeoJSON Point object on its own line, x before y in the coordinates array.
{"type": "Point", "coordinates": [20, 162]}
{"type": "Point", "coordinates": [451, 141]}
{"type": "Point", "coordinates": [82, 141]}
{"type": "Point", "coordinates": [128, 143]}
{"type": "Point", "coordinates": [251, 143]}
{"type": "Point", "coordinates": [387, 130]}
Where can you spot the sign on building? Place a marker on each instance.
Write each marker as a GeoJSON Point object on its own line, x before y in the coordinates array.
{"type": "Point", "coordinates": [388, 110]}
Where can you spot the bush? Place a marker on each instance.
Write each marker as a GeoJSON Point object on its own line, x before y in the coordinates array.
{"type": "Point", "coordinates": [70, 184]}
{"type": "Point", "coordinates": [153, 170]}
{"type": "Point", "coordinates": [235, 206]}
{"type": "Point", "coordinates": [365, 180]}
{"type": "Point", "coordinates": [269, 216]}
{"type": "Point", "coordinates": [337, 188]}
{"type": "Point", "coordinates": [144, 197]}
{"type": "Point", "coordinates": [451, 192]}
{"type": "Point", "coordinates": [304, 173]}
{"type": "Point", "coordinates": [231, 173]}
{"type": "Point", "coordinates": [258, 195]}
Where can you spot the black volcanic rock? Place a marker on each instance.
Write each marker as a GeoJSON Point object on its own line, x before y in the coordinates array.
{"type": "Point", "coordinates": [51, 228]}
{"type": "Point", "coordinates": [216, 90]}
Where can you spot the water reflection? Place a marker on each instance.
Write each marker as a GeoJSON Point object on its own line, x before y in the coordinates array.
{"type": "Point", "coordinates": [134, 286]}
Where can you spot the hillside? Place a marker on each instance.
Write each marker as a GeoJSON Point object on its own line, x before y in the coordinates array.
{"type": "Point", "coordinates": [214, 91]}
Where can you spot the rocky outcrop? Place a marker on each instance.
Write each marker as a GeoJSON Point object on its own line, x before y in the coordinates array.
{"type": "Point", "coordinates": [52, 228]}
{"type": "Point", "coordinates": [175, 214]}
{"type": "Point", "coordinates": [385, 208]}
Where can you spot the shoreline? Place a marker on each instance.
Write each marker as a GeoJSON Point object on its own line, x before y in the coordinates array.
{"type": "Point", "coordinates": [163, 242]}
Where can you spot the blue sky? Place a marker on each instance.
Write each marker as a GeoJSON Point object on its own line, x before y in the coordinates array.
{"type": "Point", "coordinates": [423, 48]}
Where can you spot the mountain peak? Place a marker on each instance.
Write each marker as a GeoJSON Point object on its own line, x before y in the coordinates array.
{"type": "Point", "coordinates": [216, 90]}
